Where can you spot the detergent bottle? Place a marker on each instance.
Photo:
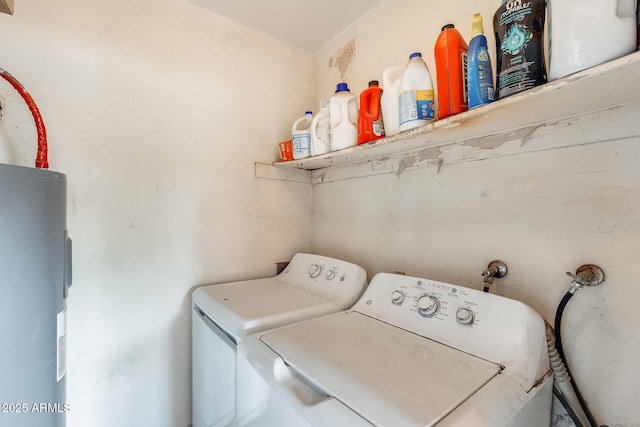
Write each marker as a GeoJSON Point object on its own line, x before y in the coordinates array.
{"type": "Point", "coordinates": [301, 136]}
{"type": "Point", "coordinates": [451, 72]}
{"type": "Point", "coordinates": [389, 102]}
{"type": "Point", "coordinates": [321, 130]}
{"type": "Point", "coordinates": [416, 99]}
{"type": "Point", "coordinates": [519, 29]}
{"type": "Point", "coordinates": [370, 125]}
{"type": "Point", "coordinates": [343, 115]}
{"type": "Point", "coordinates": [479, 75]}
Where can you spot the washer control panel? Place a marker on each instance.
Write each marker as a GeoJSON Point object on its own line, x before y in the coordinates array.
{"type": "Point", "coordinates": [435, 299]}
{"type": "Point", "coordinates": [461, 317]}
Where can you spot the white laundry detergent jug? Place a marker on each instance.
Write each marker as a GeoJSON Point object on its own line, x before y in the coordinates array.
{"type": "Point", "coordinates": [343, 114]}
{"type": "Point", "coordinates": [416, 99]}
{"type": "Point", "coordinates": [389, 101]}
{"type": "Point", "coordinates": [589, 32]}
{"type": "Point", "coordinates": [301, 136]}
{"type": "Point", "coordinates": [321, 131]}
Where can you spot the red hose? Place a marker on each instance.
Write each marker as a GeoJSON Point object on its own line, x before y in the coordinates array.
{"type": "Point", "coordinates": [41, 154]}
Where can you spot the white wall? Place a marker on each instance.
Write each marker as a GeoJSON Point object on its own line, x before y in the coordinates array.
{"type": "Point", "coordinates": [543, 213]}
{"type": "Point", "coordinates": [156, 111]}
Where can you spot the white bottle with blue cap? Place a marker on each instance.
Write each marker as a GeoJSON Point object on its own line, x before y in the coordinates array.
{"type": "Point", "coordinates": [301, 136]}
{"type": "Point", "coordinates": [416, 100]}
{"type": "Point", "coordinates": [343, 115]}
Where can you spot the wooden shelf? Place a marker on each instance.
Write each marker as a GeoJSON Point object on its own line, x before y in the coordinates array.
{"type": "Point", "coordinates": [604, 87]}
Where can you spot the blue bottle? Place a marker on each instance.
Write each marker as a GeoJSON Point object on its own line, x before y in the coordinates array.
{"type": "Point", "coordinates": [480, 77]}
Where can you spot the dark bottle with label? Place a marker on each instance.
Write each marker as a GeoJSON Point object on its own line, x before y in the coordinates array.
{"type": "Point", "coordinates": [519, 28]}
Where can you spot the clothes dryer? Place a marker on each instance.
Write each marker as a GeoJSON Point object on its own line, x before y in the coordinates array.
{"type": "Point", "coordinates": [223, 314]}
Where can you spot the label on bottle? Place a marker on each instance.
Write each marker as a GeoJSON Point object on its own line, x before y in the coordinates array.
{"type": "Point", "coordinates": [416, 105]}
{"type": "Point", "coordinates": [301, 145]}
{"type": "Point", "coordinates": [61, 344]}
{"type": "Point", "coordinates": [465, 80]}
{"type": "Point", "coordinates": [378, 128]}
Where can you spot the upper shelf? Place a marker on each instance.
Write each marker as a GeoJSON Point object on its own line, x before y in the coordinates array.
{"type": "Point", "coordinates": [604, 86]}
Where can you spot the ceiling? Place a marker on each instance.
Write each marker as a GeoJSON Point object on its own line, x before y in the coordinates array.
{"type": "Point", "coordinates": [307, 24]}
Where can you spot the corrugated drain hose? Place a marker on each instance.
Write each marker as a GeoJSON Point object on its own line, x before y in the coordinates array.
{"type": "Point", "coordinates": [41, 154]}
{"type": "Point", "coordinates": [562, 365]}
{"type": "Point", "coordinates": [562, 387]}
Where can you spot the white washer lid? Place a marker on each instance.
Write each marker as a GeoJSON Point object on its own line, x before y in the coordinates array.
{"type": "Point", "coordinates": [246, 307]}
{"type": "Point", "coordinates": [389, 376]}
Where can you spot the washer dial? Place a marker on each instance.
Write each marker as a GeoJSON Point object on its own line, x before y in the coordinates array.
{"type": "Point", "coordinates": [465, 316]}
{"type": "Point", "coordinates": [315, 270]}
{"type": "Point", "coordinates": [428, 305]}
{"type": "Point", "coordinates": [331, 274]}
{"type": "Point", "coordinates": [397, 297]}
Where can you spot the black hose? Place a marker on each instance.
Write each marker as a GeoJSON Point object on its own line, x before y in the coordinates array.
{"type": "Point", "coordinates": [557, 393]}
{"type": "Point", "coordinates": [558, 337]}
{"type": "Point", "coordinates": [556, 326]}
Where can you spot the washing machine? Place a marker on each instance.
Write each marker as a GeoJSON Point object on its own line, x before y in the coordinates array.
{"type": "Point", "coordinates": [223, 314]}
{"type": "Point", "coordinates": [411, 352]}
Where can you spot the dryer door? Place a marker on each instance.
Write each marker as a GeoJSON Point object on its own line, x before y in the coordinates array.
{"type": "Point", "coordinates": [214, 372]}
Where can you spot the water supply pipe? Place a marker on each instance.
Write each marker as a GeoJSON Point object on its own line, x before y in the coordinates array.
{"type": "Point", "coordinates": [495, 269]}
{"type": "Point", "coordinates": [41, 153]}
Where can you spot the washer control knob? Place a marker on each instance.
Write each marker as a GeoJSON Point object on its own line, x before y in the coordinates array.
{"type": "Point", "coordinates": [331, 274]}
{"type": "Point", "coordinates": [397, 297]}
{"type": "Point", "coordinates": [428, 306]}
{"type": "Point", "coordinates": [315, 270]}
{"type": "Point", "coordinates": [465, 316]}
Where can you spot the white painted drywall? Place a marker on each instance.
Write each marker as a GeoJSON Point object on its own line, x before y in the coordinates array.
{"type": "Point", "coordinates": [156, 111]}
{"type": "Point", "coordinates": [543, 213]}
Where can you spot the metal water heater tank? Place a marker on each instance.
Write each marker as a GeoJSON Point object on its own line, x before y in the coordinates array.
{"type": "Point", "coordinates": [35, 276]}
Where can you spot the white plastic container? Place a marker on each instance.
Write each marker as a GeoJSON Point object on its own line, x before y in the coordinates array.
{"type": "Point", "coordinates": [343, 113]}
{"type": "Point", "coordinates": [321, 131]}
{"type": "Point", "coordinates": [589, 32]}
{"type": "Point", "coordinates": [416, 100]}
{"type": "Point", "coordinates": [389, 102]}
{"type": "Point", "coordinates": [301, 136]}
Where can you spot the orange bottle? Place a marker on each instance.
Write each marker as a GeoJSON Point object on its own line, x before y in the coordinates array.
{"type": "Point", "coordinates": [451, 72]}
{"type": "Point", "coordinates": [370, 126]}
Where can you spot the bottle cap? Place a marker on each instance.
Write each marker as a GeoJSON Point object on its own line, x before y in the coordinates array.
{"type": "Point", "coordinates": [374, 83]}
{"type": "Point", "coordinates": [342, 87]}
{"type": "Point", "coordinates": [477, 27]}
{"type": "Point", "coordinates": [308, 112]}
{"type": "Point", "coordinates": [415, 55]}
{"type": "Point", "coordinates": [448, 27]}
